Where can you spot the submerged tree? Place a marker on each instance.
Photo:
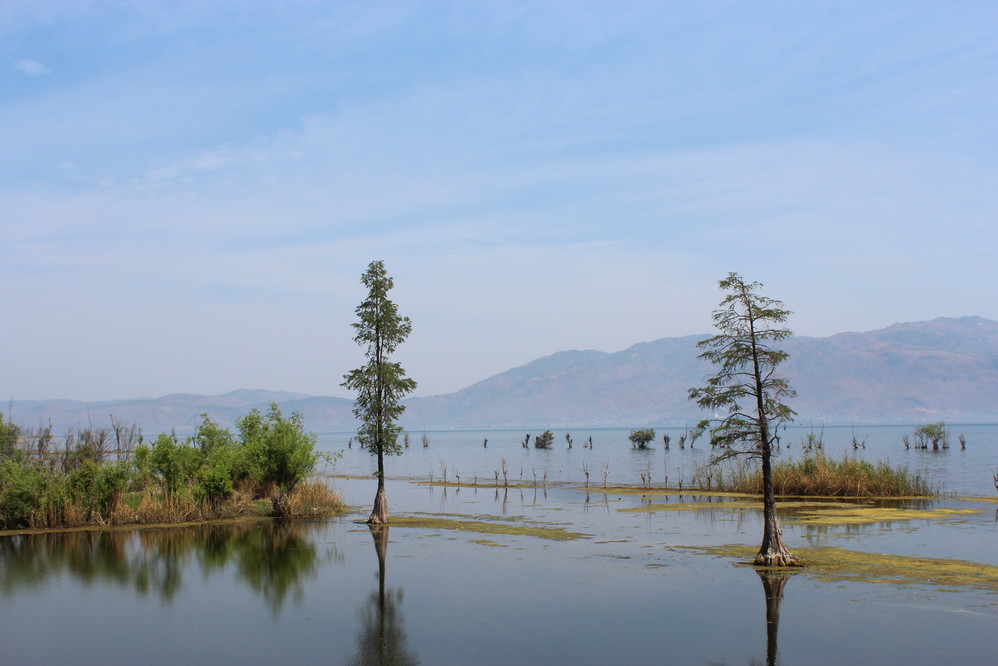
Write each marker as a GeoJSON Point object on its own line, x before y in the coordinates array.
{"type": "Point", "coordinates": [543, 440]}
{"type": "Point", "coordinates": [747, 386]}
{"type": "Point", "coordinates": [380, 384]}
{"type": "Point", "coordinates": [640, 438]}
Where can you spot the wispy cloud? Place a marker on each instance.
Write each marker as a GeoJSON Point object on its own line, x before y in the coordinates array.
{"type": "Point", "coordinates": [536, 177]}
{"type": "Point", "coordinates": [31, 68]}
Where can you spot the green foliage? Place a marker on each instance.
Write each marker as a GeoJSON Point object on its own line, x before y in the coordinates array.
{"type": "Point", "coordinates": [544, 440]}
{"type": "Point", "coordinates": [276, 449]}
{"type": "Point", "coordinates": [98, 488]}
{"type": "Point", "coordinates": [78, 486]}
{"type": "Point", "coordinates": [174, 464]}
{"type": "Point", "coordinates": [745, 385]}
{"type": "Point", "coordinates": [20, 488]}
{"type": "Point", "coordinates": [214, 483]}
{"type": "Point", "coordinates": [380, 384]}
{"type": "Point", "coordinates": [935, 434]}
{"type": "Point", "coordinates": [640, 438]}
{"type": "Point", "coordinates": [8, 440]}
{"type": "Point", "coordinates": [209, 437]}
{"type": "Point", "coordinates": [142, 465]}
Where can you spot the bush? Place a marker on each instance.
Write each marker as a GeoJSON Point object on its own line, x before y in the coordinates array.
{"type": "Point", "coordinates": [276, 450]}
{"type": "Point", "coordinates": [544, 440]}
{"type": "Point", "coordinates": [175, 464]}
{"type": "Point", "coordinates": [21, 487]}
{"type": "Point", "coordinates": [97, 489]}
{"type": "Point", "coordinates": [8, 440]}
{"type": "Point", "coordinates": [932, 433]}
{"type": "Point", "coordinates": [640, 438]}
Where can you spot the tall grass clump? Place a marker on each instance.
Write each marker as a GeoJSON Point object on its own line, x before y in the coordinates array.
{"type": "Point", "coordinates": [819, 476]}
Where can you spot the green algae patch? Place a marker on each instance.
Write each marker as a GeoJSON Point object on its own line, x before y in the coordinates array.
{"type": "Point", "coordinates": [814, 512]}
{"type": "Point", "coordinates": [855, 515]}
{"type": "Point", "coordinates": [489, 542]}
{"type": "Point", "coordinates": [987, 500]}
{"type": "Point", "coordinates": [831, 564]}
{"type": "Point", "coordinates": [487, 527]}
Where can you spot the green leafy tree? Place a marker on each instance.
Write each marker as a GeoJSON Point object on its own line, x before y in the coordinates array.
{"type": "Point", "coordinates": [276, 449]}
{"type": "Point", "coordinates": [9, 434]}
{"type": "Point", "coordinates": [640, 438]}
{"type": "Point", "coordinates": [544, 440]}
{"type": "Point", "coordinates": [174, 463]}
{"type": "Point", "coordinates": [380, 384]}
{"type": "Point", "coordinates": [747, 386]}
{"type": "Point", "coordinates": [932, 433]}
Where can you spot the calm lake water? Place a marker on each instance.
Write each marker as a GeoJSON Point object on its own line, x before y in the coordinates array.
{"type": "Point", "coordinates": [628, 591]}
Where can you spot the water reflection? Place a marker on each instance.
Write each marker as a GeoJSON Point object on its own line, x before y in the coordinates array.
{"type": "Point", "coordinates": [381, 640]}
{"type": "Point", "coordinates": [773, 583]}
{"type": "Point", "coordinates": [273, 558]}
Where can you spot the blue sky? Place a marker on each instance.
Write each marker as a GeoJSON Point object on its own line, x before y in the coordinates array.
{"type": "Point", "coordinates": [190, 191]}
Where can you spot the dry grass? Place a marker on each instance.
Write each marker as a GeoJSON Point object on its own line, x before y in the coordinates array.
{"type": "Point", "coordinates": [313, 498]}
{"type": "Point", "coordinates": [819, 476]}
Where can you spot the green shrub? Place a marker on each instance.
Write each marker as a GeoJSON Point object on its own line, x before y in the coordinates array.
{"type": "Point", "coordinates": [544, 440]}
{"type": "Point", "coordinates": [175, 464]}
{"type": "Point", "coordinates": [276, 450]}
{"type": "Point", "coordinates": [21, 488]}
{"type": "Point", "coordinates": [8, 440]}
{"type": "Point", "coordinates": [640, 438]}
{"type": "Point", "coordinates": [98, 488]}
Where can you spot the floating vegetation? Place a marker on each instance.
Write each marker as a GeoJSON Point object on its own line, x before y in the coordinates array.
{"type": "Point", "coordinates": [838, 564]}
{"type": "Point", "coordinates": [853, 515]}
{"type": "Point", "coordinates": [814, 512]}
{"type": "Point", "coordinates": [487, 527]}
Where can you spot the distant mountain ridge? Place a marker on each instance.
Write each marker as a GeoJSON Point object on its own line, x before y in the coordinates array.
{"type": "Point", "coordinates": [944, 369]}
{"type": "Point", "coordinates": [182, 411]}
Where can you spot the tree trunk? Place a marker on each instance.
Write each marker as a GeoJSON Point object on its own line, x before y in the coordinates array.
{"type": "Point", "coordinates": [773, 552]}
{"type": "Point", "coordinates": [279, 503]}
{"type": "Point", "coordinates": [379, 515]}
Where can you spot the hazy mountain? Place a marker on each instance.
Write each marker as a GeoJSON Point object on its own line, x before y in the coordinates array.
{"type": "Point", "coordinates": [944, 369]}
{"type": "Point", "coordinates": [181, 411]}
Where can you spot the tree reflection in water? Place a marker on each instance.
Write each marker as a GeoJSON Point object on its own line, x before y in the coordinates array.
{"type": "Point", "coordinates": [273, 558]}
{"type": "Point", "coordinates": [381, 639]}
{"type": "Point", "coordinates": [773, 582]}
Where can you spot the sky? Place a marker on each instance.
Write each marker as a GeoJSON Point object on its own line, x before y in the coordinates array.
{"type": "Point", "coordinates": [190, 191]}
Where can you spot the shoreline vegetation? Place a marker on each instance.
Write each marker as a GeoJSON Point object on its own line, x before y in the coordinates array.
{"type": "Point", "coordinates": [813, 476]}
{"type": "Point", "coordinates": [113, 477]}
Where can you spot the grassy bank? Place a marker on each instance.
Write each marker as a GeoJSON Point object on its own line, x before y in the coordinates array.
{"type": "Point", "coordinates": [819, 476]}
{"type": "Point", "coordinates": [101, 477]}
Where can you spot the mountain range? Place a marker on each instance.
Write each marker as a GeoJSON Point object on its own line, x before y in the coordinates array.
{"type": "Point", "coordinates": [944, 369]}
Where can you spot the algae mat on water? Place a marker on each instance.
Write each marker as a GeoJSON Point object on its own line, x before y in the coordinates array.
{"type": "Point", "coordinates": [838, 564]}
{"type": "Point", "coordinates": [804, 512]}
{"type": "Point", "coordinates": [487, 527]}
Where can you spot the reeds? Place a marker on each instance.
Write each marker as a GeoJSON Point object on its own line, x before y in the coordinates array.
{"type": "Point", "coordinates": [824, 477]}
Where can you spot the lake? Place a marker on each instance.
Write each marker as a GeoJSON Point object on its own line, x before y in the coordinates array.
{"type": "Point", "coordinates": [556, 573]}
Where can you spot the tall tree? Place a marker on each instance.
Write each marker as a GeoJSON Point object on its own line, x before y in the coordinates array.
{"type": "Point", "coordinates": [747, 386]}
{"type": "Point", "coordinates": [380, 383]}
